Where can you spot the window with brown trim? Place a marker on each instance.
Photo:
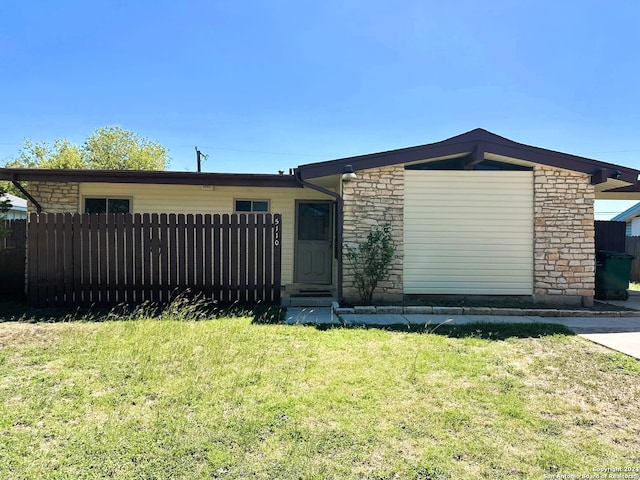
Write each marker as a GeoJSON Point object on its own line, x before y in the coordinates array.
{"type": "Point", "coordinates": [107, 205]}
{"type": "Point", "coordinates": [251, 206]}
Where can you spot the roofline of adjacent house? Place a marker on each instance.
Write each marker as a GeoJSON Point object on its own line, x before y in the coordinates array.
{"type": "Point", "coordinates": [13, 207]}
{"type": "Point", "coordinates": [148, 177]}
{"type": "Point", "coordinates": [17, 203]}
{"type": "Point", "coordinates": [628, 214]}
{"type": "Point", "coordinates": [475, 142]}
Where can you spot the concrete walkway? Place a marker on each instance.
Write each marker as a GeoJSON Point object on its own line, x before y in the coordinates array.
{"type": "Point", "coordinates": [316, 316]}
{"type": "Point", "coordinates": [618, 333]}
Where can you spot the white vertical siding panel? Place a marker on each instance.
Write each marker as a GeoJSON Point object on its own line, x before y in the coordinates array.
{"type": "Point", "coordinates": [468, 232]}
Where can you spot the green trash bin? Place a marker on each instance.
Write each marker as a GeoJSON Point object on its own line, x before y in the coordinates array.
{"type": "Point", "coordinates": [612, 275]}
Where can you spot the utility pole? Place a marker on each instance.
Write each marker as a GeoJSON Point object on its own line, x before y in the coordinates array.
{"type": "Point", "coordinates": [199, 156]}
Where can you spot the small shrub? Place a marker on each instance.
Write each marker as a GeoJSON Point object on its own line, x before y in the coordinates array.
{"type": "Point", "coordinates": [370, 261]}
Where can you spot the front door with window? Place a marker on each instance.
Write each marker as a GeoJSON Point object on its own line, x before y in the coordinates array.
{"type": "Point", "coordinates": [314, 245]}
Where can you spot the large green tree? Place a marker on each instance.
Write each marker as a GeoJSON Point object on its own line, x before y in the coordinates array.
{"type": "Point", "coordinates": [62, 154]}
{"type": "Point", "coordinates": [107, 148]}
{"type": "Point", "coordinates": [113, 148]}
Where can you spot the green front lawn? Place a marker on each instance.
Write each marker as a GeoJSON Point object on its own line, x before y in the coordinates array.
{"type": "Point", "coordinates": [230, 399]}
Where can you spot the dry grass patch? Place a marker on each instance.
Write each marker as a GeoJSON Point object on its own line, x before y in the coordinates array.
{"type": "Point", "coordinates": [588, 402]}
{"type": "Point", "coordinates": [15, 334]}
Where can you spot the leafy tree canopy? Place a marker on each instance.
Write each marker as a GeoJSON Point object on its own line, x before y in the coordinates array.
{"type": "Point", "coordinates": [113, 148]}
{"type": "Point", "coordinates": [108, 148]}
{"type": "Point", "coordinates": [62, 154]}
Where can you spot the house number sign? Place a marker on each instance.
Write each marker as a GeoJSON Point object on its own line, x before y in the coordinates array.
{"type": "Point", "coordinates": [276, 231]}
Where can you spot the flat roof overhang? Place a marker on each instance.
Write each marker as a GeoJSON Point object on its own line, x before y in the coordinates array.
{"type": "Point", "coordinates": [148, 177]}
{"type": "Point", "coordinates": [630, 192]}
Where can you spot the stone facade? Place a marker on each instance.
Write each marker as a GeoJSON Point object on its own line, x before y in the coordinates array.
{"type": "Point", "coordinates": [564, 237]}
{"type": "Point", "coordinates": [375, 198]}
{"type": "Point", "coordinates": [54, 197]}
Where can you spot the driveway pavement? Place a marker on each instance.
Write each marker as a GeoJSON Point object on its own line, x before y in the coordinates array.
{"type": "Point", "coordinates": [625, 342]}
{"type": "Point", "coordinates": [633, 302]}
{"type": "Point", "coordinates": [617, 333]}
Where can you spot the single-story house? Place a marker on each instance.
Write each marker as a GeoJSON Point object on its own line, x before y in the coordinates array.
{"type": "Point", "coordinates": [475, 214]}
{"type": "Point", "coordinates": [18, 209]}
{"type": "Point", "coordinates": [631, 217]}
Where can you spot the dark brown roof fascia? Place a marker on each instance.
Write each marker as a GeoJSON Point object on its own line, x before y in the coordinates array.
{"type": "Point", "coordinates": [566, 161]}
{"type": "Point", "coordinates": [383, 159]}
{"type": "Point", "coordinates": [628, 189]}
{"type": "Point", "coordinates": [149, 177]}
{"type": "Point", "coordinates": [466, 143]}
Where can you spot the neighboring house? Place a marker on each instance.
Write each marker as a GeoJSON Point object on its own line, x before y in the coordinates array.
{"type": "Point", "coordinates": [18, 208]}
{"type": "Point", "coordinates": [476, 214]}
{"type": "Point", "coordinates": [632, 218]}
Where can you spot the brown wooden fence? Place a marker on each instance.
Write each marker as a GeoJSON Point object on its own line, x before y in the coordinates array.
{"type": "Point", "coordinates": [610, 235]}
{"type": "Point", "coordinates": [633, 248]}
{"type": "Point", "coordinates": [110, 259]}
{"type": "Point", "coordinates": [12, 256]}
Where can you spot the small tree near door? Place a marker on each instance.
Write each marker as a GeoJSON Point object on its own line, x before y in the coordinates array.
{"type": "Point", "coordinates": [370, 261]}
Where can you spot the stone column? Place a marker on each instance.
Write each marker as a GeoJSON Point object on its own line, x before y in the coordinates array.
{"type": "Point", "coordinates": [564, 243]}
{"type": "Point", "coordinates": [375, 198]}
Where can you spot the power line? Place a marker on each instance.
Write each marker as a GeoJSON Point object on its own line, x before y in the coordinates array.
{"type": "Point", "coordinates": [264, 152]}
{"type": "Point", "coordinates": [294, 154]}
{"type": "Point", "coordinates": [251, 151]}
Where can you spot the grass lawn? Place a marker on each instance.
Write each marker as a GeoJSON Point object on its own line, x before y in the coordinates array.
{"type": "Point", "coordinates": [230, 399]}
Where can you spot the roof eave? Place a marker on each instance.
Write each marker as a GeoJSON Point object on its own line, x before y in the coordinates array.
{"type": "Point", "coordinates": [466, 143]}
{"type": "Point", "coordinates": [149, 177]}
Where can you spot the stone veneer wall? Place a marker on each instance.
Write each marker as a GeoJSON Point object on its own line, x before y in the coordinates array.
{"type": "Point", "coordinates": [564, 237]}
{"type": "Point", "coordinates": [54, 197]}
{"type": "Point", "coordinates": [375, 197]}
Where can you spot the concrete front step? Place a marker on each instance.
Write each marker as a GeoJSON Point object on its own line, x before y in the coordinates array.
{"type": "Point", "coordinates": [307, 301]}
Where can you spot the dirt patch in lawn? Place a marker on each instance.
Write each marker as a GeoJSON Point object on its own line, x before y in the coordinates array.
{"type": "Point", "coordinates": [19, 334]}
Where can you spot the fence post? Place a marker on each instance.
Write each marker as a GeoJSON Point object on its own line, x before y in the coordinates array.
{"type": "Point", "coordinates": [633, 248]}
{"type": "Point", "coordinates": [12, 256]}
{"type": "Point", "coordinates": [277, 256]}
{"type": "Point", "coordinates": [32, 236]}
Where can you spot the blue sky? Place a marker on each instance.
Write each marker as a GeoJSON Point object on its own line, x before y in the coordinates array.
{"type": "Point", "coordinates": [266, 85]}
